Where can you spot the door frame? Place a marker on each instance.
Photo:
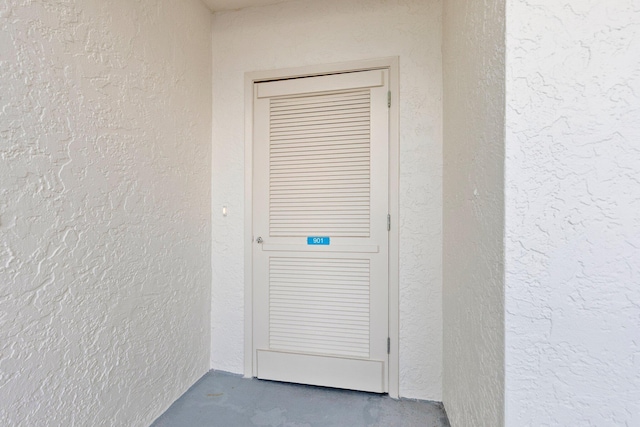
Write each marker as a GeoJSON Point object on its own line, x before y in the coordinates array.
{"type": "Point", "coordinates": [392, 64]}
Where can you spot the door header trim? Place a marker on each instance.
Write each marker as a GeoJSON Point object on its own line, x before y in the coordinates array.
{"type": "Point", "coordinates": [365, 79]}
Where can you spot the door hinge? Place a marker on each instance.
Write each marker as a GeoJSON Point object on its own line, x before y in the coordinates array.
{"type": "Point", "coordinates": [388, 222]}
{"type": "Point", "coordinates": [389, 99]}
{"type": "Point", "coordinates": [388, 345]}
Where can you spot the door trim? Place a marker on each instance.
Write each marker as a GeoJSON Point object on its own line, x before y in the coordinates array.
{"type": "Point", "coordinates": [392, 64]}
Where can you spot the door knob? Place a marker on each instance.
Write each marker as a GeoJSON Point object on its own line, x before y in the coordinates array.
{"type": "Point", "coordinates": [259, 240]}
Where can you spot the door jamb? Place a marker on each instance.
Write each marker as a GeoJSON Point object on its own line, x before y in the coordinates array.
{"type": "Point", "coordinates": [392, 64]}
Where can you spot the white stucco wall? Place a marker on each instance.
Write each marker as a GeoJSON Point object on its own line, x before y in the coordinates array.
{"type": "Point", "coordinates": [105, 124]}
{"type": "Point", "coordinates": [572, 213]}
{"type": "Point", "coordinates": [319, 32]}
{"type": "Point", "coordinates": [473, 64]}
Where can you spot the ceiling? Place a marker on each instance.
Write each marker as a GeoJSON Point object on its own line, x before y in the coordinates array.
{"type": "Point", "coordinates": [219, 5]}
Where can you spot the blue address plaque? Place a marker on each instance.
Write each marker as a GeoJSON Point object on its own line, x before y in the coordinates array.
{"type": "Point", "coordinates": [313, 240]}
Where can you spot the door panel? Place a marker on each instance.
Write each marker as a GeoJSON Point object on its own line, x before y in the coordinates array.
{"type": "Point", "coordinates": [321, 176]}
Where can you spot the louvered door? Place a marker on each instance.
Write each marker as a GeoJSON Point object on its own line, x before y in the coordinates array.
{"type": "Point", "coordinates": [320, 203]}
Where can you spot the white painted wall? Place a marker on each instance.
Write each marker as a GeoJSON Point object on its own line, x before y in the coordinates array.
{"type": "Point", "coordinates": [473, 64]}
{"type": "Point", "coordinates": [307, 33]}
{"type": "Point", "coordinates": [572, 213]}
{"type": "Point", "coordinates": [105, 124]}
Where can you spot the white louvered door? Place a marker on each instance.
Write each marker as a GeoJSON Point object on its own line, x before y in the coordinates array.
{"type": "Point", "coordinates": [320, 255]}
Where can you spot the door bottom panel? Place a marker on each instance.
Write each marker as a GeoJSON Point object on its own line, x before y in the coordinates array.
{"type": "Point", "coordinates": [327, 371]}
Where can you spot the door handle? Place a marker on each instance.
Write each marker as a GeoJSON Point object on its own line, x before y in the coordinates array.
{"type": "Point", "coordinates": [259, 240]}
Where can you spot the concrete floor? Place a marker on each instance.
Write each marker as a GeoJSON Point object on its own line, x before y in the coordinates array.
{"type": "Point", "coordinates": [226, 400]}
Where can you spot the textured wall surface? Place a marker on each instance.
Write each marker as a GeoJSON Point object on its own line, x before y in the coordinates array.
{"type": "Point", "coordinates": [572, 213]}
{"type": "Point", "coordinates": [105, 124]}
{"type": "Point", "coordinates": [318, 32]}
{"type": "Point", "coordinates": [473, 64]}
{"type": "Point", "coordinates": [218, 5]}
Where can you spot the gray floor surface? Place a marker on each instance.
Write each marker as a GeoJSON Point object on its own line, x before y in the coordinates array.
{"type": "Point", "coordinates": [225, 400]}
